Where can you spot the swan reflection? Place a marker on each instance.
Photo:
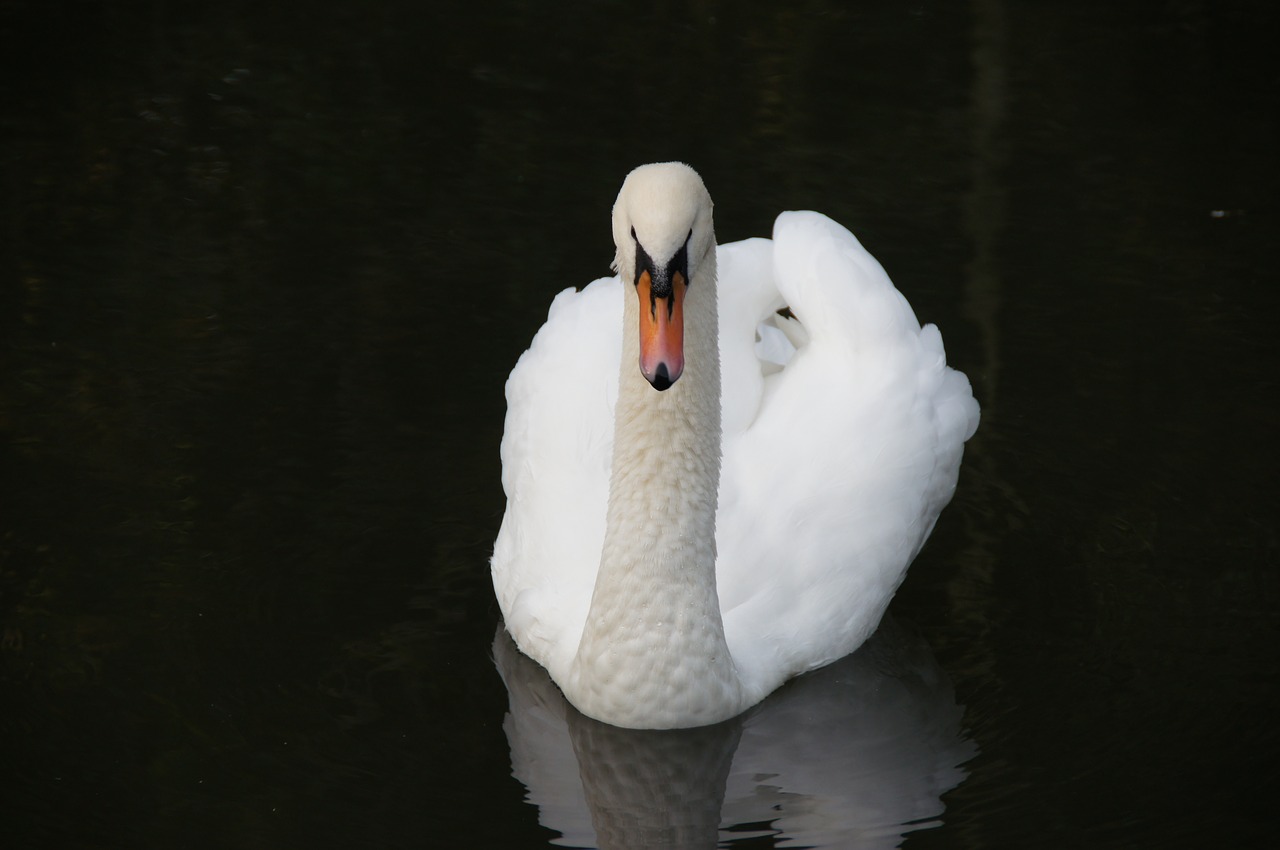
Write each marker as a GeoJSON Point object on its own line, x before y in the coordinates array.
{"type": "Point", "coordinates": [854, 755]}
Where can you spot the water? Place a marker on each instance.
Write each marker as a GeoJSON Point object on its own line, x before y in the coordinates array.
{"type": "Point", "coordinates": [266, 271]}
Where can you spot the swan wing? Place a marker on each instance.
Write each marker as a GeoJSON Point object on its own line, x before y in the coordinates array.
{"type": "Point", "coordinates": [556, 453]}
{"type": "Point", "coordinates": [830, 489]}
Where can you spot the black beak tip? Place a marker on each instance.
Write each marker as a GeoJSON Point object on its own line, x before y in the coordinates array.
{"type": "Point", "coordinates": [661, 379]}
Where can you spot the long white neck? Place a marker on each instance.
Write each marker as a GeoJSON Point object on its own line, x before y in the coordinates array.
{"type": "Point", "coordinates": [653, 651]}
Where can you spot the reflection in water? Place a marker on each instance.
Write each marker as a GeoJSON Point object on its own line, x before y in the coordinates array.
{"type": "Point", "coordinates": [854, 755]}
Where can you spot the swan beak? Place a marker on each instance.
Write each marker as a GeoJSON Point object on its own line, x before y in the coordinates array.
{"type": "Point", "coordinates": [661, 329]}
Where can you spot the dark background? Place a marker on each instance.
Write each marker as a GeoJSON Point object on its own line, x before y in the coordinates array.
{"type": "Point", "coordinates": [264, 271]}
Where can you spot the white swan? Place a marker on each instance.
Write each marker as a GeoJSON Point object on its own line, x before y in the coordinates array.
{"type": "Point", "coordinates": [832, 443]}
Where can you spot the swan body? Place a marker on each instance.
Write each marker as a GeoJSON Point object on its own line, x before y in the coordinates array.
{"type": "Point", "coordinates": [705, 497]}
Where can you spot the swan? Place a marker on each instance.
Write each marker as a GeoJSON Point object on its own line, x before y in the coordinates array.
{"type": "Point", "coordinates": [719, 463]}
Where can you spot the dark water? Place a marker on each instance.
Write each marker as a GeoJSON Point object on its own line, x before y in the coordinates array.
{"type": "Point", "coordinates": [265, 271]}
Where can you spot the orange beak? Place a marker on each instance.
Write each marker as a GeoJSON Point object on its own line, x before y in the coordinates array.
{"type": "Point", "coordinates": [661, 331]}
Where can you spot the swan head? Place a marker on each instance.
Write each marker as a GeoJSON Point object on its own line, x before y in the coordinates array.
{"type": "Point", "coordinates": [663, 232]}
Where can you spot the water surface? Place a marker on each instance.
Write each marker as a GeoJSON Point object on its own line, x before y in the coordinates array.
{"type": "Point", "coordinates": [266, 271]}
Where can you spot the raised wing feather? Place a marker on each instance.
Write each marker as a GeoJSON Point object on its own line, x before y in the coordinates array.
{"type": "Point", "coordinates": [829, 493]}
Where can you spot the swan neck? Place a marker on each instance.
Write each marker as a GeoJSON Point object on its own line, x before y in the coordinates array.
{"type": "Point", "coordinates": [653, 650]}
